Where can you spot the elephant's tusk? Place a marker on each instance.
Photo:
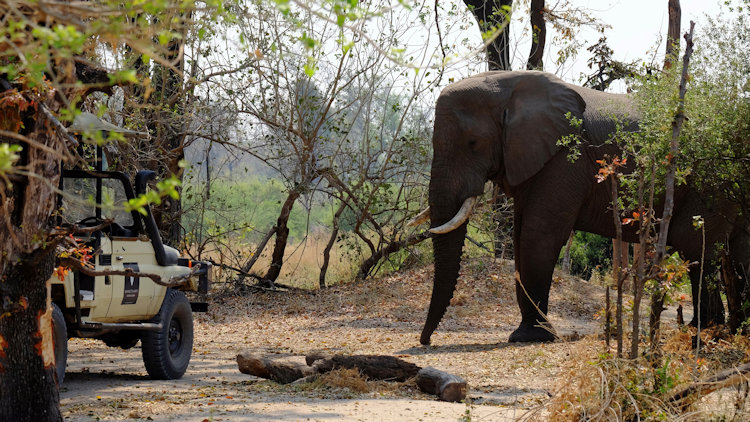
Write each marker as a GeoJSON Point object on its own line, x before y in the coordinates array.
{"type": "Point", "coordinates": [461, 216]}
{"type": "Point", "coordinates": [420, 218]}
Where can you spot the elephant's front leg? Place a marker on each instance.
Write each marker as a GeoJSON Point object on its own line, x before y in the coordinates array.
{"type": "Point", "coordinates": [539, 244]}
{"type": "Point", "coordinates": [544, 217]}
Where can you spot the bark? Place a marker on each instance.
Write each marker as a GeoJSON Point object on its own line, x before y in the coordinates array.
{"type": "Point", "coordinates": [657, 302]}
{"type": "Point", "coordinates": [538, 36]}
{"type": "Point", "coordinates": [447, 387]}
{"type": "Point", "coordinates": [673, 33]}
{"type": "Point", "coordinates": [28, 391]}
{"type": "Point", "coordinates": [283, 373]}
{"type": "Point", "coordinates": [374, 367]}
{"type": "Point", "coordinates": [282, 235]}
{"type": "Point", "coordinates": [170, 133]}
{"type": "Point", "coordinates": [27, 361]}
{"type": "Point", "coordinates": [490, 15]}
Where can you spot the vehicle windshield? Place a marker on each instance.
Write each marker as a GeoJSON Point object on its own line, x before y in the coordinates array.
{"type": "Point", "coordinates": [79, 200]}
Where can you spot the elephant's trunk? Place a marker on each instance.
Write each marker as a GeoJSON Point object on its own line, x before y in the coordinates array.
{"type": "Point", "coordinates": [447, 252]}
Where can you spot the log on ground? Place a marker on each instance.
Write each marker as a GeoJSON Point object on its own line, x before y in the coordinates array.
{"type": "Point", "coordinates": [723, 379]}
{"type": "Point", "coordinates": [283, 373]}
{"type": "Point", "coordinates": [374, 367]}
{"type": "Point", "coordinates": [447, 387]}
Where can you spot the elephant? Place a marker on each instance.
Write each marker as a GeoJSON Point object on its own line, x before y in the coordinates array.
{"type": "Point", "coordinates": [504, 127]}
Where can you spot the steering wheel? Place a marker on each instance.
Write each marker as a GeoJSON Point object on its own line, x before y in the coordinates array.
{"type": "Point", "coordinates": [87, 222]}
{"type": "Point", "coordinates": [112, 229]}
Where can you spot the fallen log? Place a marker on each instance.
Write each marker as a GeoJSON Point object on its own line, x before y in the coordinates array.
{"type": "Point", "coordinates": [447, 387]}
{"type": "Point", "coordinates": [708, 385]}
{"type": "Point", "coordinates": [374, 367]}
{"type": "Point", "coordinates": [283, 373]}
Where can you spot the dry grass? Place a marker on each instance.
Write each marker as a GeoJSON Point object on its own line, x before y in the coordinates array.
{"type": "Point", "coordinates": [349, 379]}
{"type": "Point", "coordinates": [303, 261]}
{"type": "Point", "coordinates": [604, 388]}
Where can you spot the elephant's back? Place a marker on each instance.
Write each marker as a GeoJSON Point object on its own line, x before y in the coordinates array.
{"type": "Point", "coordinates": [605, 111]}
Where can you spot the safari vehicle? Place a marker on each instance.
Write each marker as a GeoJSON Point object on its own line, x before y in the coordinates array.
{"type": "Point", "coordinates": [123, 309]}
{"type": "Point", "coordinates": [116, 305]}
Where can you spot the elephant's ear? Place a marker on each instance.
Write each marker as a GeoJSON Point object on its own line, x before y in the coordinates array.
{"type": "Point", "coordinates": [535, 121]}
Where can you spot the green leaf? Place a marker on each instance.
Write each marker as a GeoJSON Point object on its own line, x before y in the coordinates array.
{"type": "Point", "coordinates": [310, 67]}
{"type": "Point", "coordinates": [8, 157]}
{"type": "Point", "coordinates": [308, 42]}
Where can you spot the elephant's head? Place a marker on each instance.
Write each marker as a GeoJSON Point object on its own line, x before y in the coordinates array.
{"type": "Point", "coordinates": [499, 126]}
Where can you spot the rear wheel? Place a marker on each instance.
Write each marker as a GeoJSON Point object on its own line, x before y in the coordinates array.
{"type": "Point", "coordinates": [60, 338]}
{"type": "Point", "coordinates": [166, 352]}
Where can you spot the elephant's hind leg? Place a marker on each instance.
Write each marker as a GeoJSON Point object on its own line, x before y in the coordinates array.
{"type": "Point", "coordinates": [709, 310]}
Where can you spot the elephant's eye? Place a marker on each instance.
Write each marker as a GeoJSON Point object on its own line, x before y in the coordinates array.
{"type": "Point", "coordinates": [472, 143]}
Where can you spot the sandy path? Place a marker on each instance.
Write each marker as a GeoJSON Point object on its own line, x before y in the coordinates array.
{"type": "Point", "coordinates": [376, 317]}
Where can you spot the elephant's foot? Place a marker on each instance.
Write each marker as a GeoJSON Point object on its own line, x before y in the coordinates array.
{"type": "Point", "coordinates": [532, 333]}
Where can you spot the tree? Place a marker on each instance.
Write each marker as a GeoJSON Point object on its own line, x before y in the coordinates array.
{"type": "Point", "coordinates": [538, 35]}
{"type": "Point", "coordinates": [341, 122]}
{"type": "Point", "coordinates": [493, 18]}
{"type": "Point", "coordinates": [46, 72]}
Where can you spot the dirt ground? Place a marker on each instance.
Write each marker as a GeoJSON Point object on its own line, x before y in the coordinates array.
{"type": "Point", "coordinates": [382, 316]}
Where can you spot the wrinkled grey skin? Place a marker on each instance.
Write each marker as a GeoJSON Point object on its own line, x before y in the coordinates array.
{"type": "Point", "coordinates": [504, 127]}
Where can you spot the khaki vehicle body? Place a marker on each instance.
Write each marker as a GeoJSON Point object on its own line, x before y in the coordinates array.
{"type": "Point", "coordinates": [118, 298]}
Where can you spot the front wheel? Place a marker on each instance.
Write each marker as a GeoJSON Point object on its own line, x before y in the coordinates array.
{"type": "Point", "coordinates": [166, 352]}
{"type": "Point", "coordinates": [60, 338]}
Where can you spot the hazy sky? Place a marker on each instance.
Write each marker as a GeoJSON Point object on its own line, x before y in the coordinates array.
{"type": "Point", "coordinates": [636, 25]}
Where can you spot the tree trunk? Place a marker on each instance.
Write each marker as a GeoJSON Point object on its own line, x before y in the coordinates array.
{"type": "Point", "coordinates": [169, 127]}
{"type": "Point", "coordinates": [282, 235]}
{"type": "Point", "coordinates": [673, 33]}
{"type": "Point", "coordinates": [258, 251]}
{"type": "Point", "coordinates": [28, 391]}
{"type": "Point", "coordinates": [657, 302]}
{"type": "Point", "coordinates": [639, 262]}
{"type": "Point", "coordinates": [494, 14]}
{"type": "Point", "coordinates": [538, 36]}
{"type": "Point", "coordinates": [28, 388]}
{"type": "Point", "coordinates": [329, 246]}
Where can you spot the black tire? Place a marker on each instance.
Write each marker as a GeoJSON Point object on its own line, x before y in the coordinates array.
{"type": "Point", "coordinates": [60, 338]}
{"type": "Point", "coordinates": [166, 352]}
